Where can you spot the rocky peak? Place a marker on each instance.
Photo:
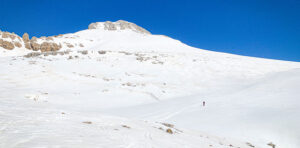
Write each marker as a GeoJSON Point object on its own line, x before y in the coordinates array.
{"type": "Point", "coordinates": [118, 25]}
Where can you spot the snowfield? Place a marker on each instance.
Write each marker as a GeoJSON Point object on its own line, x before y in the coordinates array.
{"type": "Point", "coordinates": [126, 89]}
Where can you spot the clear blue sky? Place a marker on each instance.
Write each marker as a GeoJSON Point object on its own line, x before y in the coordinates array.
{"type": "Point", "coordinates": [260, 28]}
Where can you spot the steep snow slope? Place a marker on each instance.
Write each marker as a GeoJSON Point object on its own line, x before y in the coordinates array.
{"type": "Point", "coordinates": [149, 77]}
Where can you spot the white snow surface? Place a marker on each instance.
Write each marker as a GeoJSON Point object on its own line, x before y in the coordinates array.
{"type": "Point", "coordinates": [119, 88]}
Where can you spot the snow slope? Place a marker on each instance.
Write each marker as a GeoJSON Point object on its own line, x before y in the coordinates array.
{"type": "Point", "coordinates": [267, 109]}
{"type": "Point", "coordinates": [123, 77]}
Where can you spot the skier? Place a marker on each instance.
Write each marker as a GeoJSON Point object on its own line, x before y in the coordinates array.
{"type": "Point", "coordinates": [203, 103]}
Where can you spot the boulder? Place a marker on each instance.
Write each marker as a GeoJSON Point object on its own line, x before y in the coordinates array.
{"type": "Point", "coordinates": [18, 44]}
{"type": "Point", "coordinates": [35, 46]}
{"type": "Point", "coordinates": [33, 39]}
{"type": "Point", "coordinates": [70, 45]}
{"type": "Point", "coordinates": [25, 37]}
{"type": "Point", "coordinates": [28, 46]}
{"type": "Point", "coordinates": [56, 46]}
{"type": "Point", "coordinates": [7, 45]}
{"type": "Point", "coordinates": [46, 46]}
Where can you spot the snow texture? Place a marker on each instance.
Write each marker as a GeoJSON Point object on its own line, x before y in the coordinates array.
{"type": "Point", "coordinates": [121, 88]}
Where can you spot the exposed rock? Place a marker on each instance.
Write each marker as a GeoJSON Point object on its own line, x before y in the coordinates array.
{"type": "Point", "coordinates": [125, 126]}
{"type": "Point", "coordinates": [271, 144]}
{"type": "Point", "coordinates": [7, 45]}
{"type": "Point", "coordinates": [18, 44]}
{"type": "Point", "coordinates": [87, 122]}
{"type": "Point", "coordinates": [84, 52]}
{"type": "Point", "coordinates": [60, 35]}
{"type": "Point", "coordinates": [33, 39]}
{"type": "Point", "coordinates": [46, 46]}
{"type": "Point", "coordinates": [25, 37]}
{"type": "Point", "coordinates": [32, 54]}
{"type": "Point", "coordinates": [70, 45]}
{"type": "Point", "coordinates": [93, 26]}
{"type": "Point", "coordinates": [102, 52]}
{"type": "Point", "coordinates": [169, 131]}
{"type": "Point", "coordinates": [249, 144]}
{"type": "Point", "coordinates": [109, 26]}
{"type": "Point", "coordinates": [5, 35]}
{"type": "Point", "coordinates": [12, 36]}
{"type": "Point", "coordinates": [168, 125]}
{"type": "Point", "coordinates": [35, 46]}
{"type": "Point", "coordinates": [27, 45]}
{"type": "Point", "coordinates": [124, 25]}
{"type": "Point", "coordinates": [49, 38]}
{"type": "Point", "coordinates": [56, 47]}
{"type": "Point", "coordinates": [119, 25]}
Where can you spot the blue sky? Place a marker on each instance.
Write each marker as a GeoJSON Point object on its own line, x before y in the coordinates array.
{"type": "Point", "coordinates": [260, 28]}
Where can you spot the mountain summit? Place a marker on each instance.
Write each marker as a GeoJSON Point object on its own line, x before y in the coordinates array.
{"type": "Point", "coordinates": [118, 25]}
{"type": "Point", "coordinates": [119, 35]}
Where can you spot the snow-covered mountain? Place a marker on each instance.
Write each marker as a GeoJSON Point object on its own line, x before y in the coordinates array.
{"type": "Point", "coordinates": [117, 85]}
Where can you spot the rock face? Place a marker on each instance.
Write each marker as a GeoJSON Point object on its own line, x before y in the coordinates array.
{"type": "Point", "coordinates": [25, 37]}
{"type": "Point", "coordinates": [6, 45]}
{"type": "Point", "coordinates": [5, 35]}
{"type": "Point", "coordinates": [43, 47]}
{"type": "Point", "coordinates": [33, 39]}
{"type": "Point", "coordinates": [26, 40]}
{"type": "Point", "coordinates": [9, 40]}
{"type": "Point", "coordinates": [35, 46]}
{"type": "Point", "coordinates": [46, 46]}
{"type": "Point", "coordinates": [1, 42]}
{"type": "Point", "coordinates": [118, 25]}
{"type": "Point", "coordinates": [18, 44]}
{"type": "Point", "coordinates": [27, 45]}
